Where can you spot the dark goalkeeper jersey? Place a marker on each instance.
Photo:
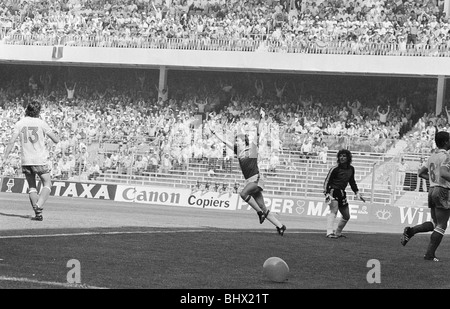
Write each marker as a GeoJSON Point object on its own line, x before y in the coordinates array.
{"type": "Point", "coordinates": [339, 177]}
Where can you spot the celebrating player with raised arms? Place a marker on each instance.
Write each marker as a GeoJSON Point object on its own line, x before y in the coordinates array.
{"type": "Point", "coordinates": [247, 154]}
{"type": "Point", "coordinates": [31, 132]}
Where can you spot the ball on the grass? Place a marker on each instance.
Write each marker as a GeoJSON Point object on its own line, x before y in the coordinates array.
{"type": "Point", "coordinates": [276, 269]}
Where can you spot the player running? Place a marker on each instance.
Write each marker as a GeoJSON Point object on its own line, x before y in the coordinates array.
{"type": "Point", "coordinates": [338, 177]}
{"type": "Point", "coordinates": [437, 171]}
{"type": "Point", "coordinates": [247, 154]}
{"type": "Point", "coordinates": [31, 131]}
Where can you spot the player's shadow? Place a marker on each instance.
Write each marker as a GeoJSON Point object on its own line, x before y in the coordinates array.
{"type": "Point", "coordinates": [14, 215]}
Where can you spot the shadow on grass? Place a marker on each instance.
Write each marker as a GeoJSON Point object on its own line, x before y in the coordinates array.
{"type": "Point", "coordinates": [17, 216]}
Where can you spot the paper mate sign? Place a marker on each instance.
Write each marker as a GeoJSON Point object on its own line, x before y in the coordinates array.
{"type": "Point", "coordinates": [302, 207]}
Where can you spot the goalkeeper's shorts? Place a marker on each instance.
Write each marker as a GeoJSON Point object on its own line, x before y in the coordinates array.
{"type": "Point", "coordinates": [340, 196]}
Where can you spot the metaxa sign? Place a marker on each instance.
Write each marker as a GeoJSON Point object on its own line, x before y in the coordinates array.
{"type": "Point", "coordinates": [63, 188]}
{"type": "Point", "coordinates": [176, 197]}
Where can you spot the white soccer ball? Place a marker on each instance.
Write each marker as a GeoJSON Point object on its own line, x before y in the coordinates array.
{"type": "Point", "coordinates": [276, 269]}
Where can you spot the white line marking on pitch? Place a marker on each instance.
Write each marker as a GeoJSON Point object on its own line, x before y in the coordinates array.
{"type": "Point", "coordinates": [94, 234]}
{"type": "Point", "coordinates": [150, 232]}
{"type": "Point", "coordinates": [51, 283]}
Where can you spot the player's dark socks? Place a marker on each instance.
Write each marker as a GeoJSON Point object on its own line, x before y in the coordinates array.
{"type": "Point", "coordinates": [421, 228]}
{"type": "Point", "coordinates": [435, 241]}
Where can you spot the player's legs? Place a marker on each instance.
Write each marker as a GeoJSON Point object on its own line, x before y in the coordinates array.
{"type": "Point", "coordinates": [424, 227]}
{"type": "Point", "coordinates": [427, 226]}
{"type": "Point", "coordinates": [332, 217]}
{"type": "Point", "coordinates": [442, 217]}
{"type": "Point", "coordinates": [345, 212]}
{"type": "Point", "coordinates": [32, 189]}
{"type": "Point", "coordinates": [409, 232]}
{"type": "Point", "coordinates": [257, 196]}
{"type": "Point", "coordinates": [46, 189]}
{"type": "Point", "coordinates": [247, 195]}
{"type": "Point", "coordinates": [268, 215]}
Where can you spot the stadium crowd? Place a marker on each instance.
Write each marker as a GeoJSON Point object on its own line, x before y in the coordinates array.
{"type": "Point", "coordinates": [124, 123]}
{"type": "Point", "coordinates": [355, 26]}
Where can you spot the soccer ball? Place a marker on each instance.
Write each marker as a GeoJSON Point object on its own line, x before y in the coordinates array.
{"type": "Point", "coordinates": [275, 269]}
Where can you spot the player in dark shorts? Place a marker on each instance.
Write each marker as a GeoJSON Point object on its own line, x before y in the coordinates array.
{"type": "Point", "coordinates": [437, 171]}
{"type": "Point", "coordinates": [338, 177]}
{"type": "Point", "coordinates": [247, 154]}
{"type": "Point", "coordinates": [31, 132]}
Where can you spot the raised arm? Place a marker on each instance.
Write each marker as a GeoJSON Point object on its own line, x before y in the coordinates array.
{"type": "Point", "coordinates": [221, 138]}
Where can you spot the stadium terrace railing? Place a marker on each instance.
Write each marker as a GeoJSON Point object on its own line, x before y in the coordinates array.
{"type": "Point", "coordinates": [294, 141]}
{"type": "Point", "coordinates": [246, 44]}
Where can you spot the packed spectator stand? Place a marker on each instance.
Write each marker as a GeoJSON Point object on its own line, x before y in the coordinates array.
{"type": "Point", "coordinates": [372, 27]}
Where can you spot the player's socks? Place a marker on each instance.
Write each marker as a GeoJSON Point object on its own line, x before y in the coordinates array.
{"type": "Point", "coordinates": [274, 220]}
{"type": "Point", "coordinates": [252, 202]}
{"type": "Point", "coordinates": [33, 196]}
{"type": "Point", "coordinates": [435, 240]}
{"type": "Point", "coordinates": [427, 226]}
{"type": "Point", "coordinates": [330, 222]}
{"type": "Point", "coordinates": [340, 226]}
{"type": "Point", "coordinates": [45, 193]}
{"type": "Point", "coordinates": [38, 212]}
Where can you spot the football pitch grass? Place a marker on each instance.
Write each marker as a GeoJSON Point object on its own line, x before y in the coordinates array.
{"type": "Point", "coordinates": [200, 255]}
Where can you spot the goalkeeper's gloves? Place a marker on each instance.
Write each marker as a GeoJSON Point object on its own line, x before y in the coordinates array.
{"type": "Point", "coordinates": [327, 198]}
{"type": "Point", "coordinates": [360, 197]}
